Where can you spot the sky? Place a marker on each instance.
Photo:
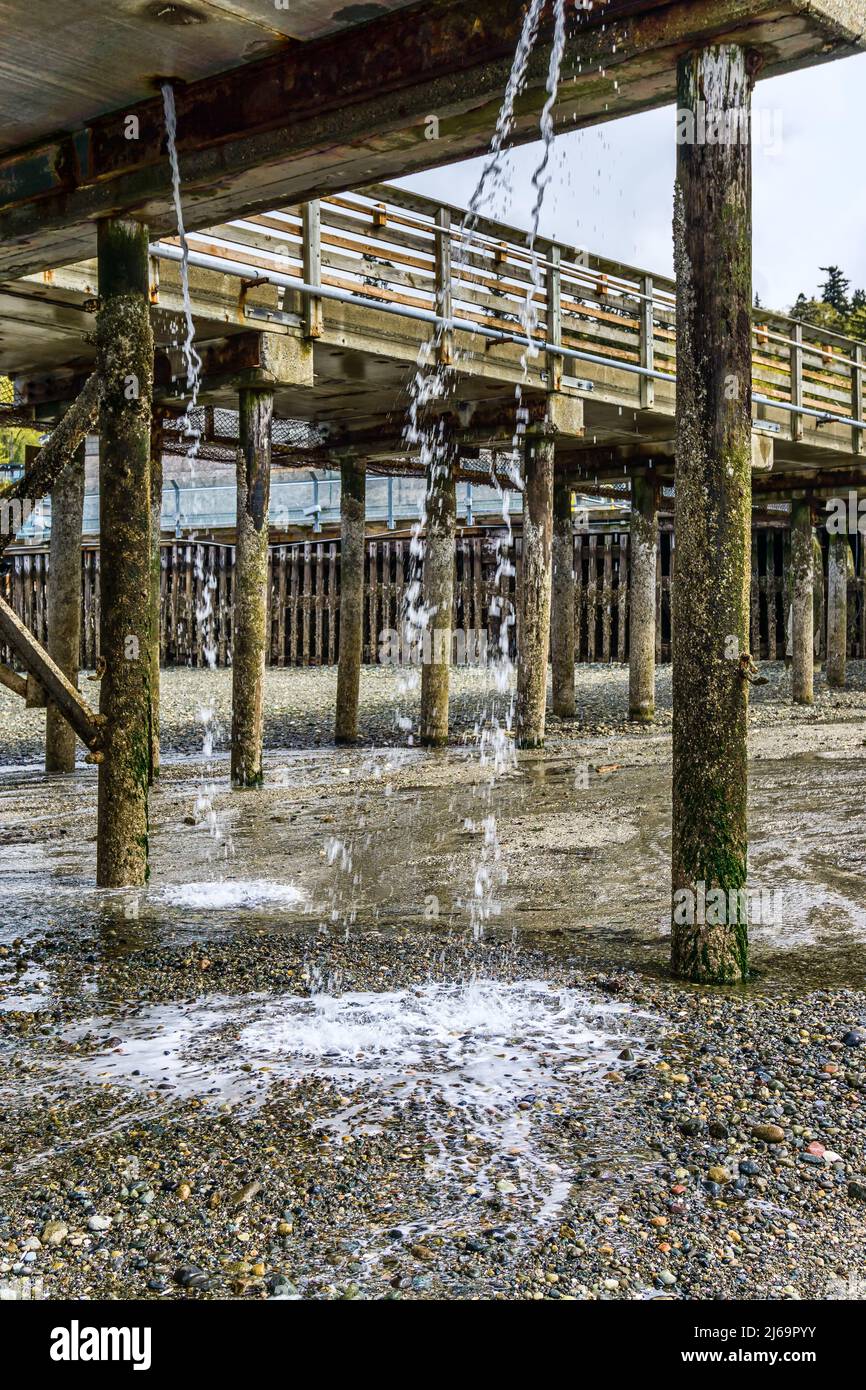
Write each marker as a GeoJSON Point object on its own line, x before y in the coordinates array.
{"type": "Point", "coordinates": [612, 185]}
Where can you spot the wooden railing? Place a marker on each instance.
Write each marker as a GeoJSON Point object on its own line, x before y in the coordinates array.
{"type": "Point", "coordinates": [406, 252]}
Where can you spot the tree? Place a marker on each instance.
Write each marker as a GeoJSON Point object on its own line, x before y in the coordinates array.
{"type": "Point", "coordinates": [834, 290]}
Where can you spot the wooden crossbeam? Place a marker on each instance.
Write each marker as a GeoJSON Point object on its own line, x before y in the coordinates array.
{"type": "Point", "coordinates": [12, 681]}
{"type": "Point", "coordinates": [35, 659]}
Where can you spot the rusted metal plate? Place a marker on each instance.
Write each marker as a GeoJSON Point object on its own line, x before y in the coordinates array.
{"type": "Point", "coordinates": [337, 112]}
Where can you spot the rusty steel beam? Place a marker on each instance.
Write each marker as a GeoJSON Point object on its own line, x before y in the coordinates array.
{"type": "Point", "coordinates": [420, 87]}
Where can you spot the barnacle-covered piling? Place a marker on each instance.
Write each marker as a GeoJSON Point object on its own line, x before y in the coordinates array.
{"type": "Point", "coordinates": [803, 604]}
{"type": "Point", "coordinates": [713, 262]}
{"type": "Point", "coordinates": [249, 618]}
{"type": "Point", "coordinates": [353, 489]}
{"type": "Point", "coordinates": [438, 591]}
{"type": "Point", "coordinates": [837, 610]}
{"type": "Point", "coordinates": [64, 604]}
{"type": "Point", "coordinates": [535, 590]}
{"type": "Point", "coordinates": [642, 599]}
{"type": "Point", "coordinates": [562, 618]}
{"type": "Point", "coordinates": [124, 344]}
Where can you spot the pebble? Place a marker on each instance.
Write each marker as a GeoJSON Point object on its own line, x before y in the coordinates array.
{"type": "Point", "coordinates": [769, 1134]}
{"type": "Point", "coordinates": [54, 1232]}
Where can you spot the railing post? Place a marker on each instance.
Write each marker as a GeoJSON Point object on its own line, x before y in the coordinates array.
{"type": "Point", "coordinates": [857, 399]}
{"type": "Point", "coordinates": [797, 380]}
{"type": "Point", "coordinates": [444, 287]}
{"type": "Point", "coordinates": [311, 217]}
{"type": "Point", "coordinates": [554, 319]}
{"type": "Point", "coordinates": [647, 344]}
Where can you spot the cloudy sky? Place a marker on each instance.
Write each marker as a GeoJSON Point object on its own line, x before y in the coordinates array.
{"type": "Point", "coordinates": [611, 188]}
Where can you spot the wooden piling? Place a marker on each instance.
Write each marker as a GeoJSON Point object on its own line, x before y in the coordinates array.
{"type": "Point", "coordinates": [64, 604]}
{"type": "Point", "coordinates": [534, 617]}
{"type": "Point", "coordinates": [562, 616]}
{"type": "Point", "coordinates": [438, 581]}
{"type": "Point", "coordinates": [642, 600]}
{"type": "Point", "coordinates": [837, 610]}
{"type": "Point", "coordinates": [124, 345]}
{"type": "Point", "coordinates": [713, 263]}
{"type": "Point", "coordinates": [156, 443]}
{"type": "Point", "coordinates": [803, 621]}
{"type": "Point", "coordinates": [249, 628]}
{"type": "Point", "coordinates": [353, 488]}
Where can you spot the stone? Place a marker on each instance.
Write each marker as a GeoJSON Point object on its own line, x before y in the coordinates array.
{"type": "Point", "coordinates": [718, 1174]}
{"type": "Point", "coordinates": [769, 1134]}
{"type": "Point", "coordinates": [191, 1277]}
{"type": "Point", "coordinates": [99, 1223]}
{"type": "Point", "coordinates": [54, 1232]}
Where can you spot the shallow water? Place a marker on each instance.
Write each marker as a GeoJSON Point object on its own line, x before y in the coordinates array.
{"type": "Point", "coordinates": [348, 841]}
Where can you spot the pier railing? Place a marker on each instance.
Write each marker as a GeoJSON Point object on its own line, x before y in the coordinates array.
{"type": "Point", "coordinates": [412, 257]}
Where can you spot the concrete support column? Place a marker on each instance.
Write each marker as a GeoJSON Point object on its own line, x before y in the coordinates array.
{"type": "Point", "coordinates": [64, 605]}
{"type": "Point", "coordinates": [562, 618]}
{"type": "Point", "coordinates": [124, 348]}
{"type": "Point", "coordinates": [643, 556]}
{"type": "Point", "coordinates": [837, 610]}
{"type": "Point", "coordinates": [156, 440]}
{"type": "Point", "coordinates": [249, 614]}
{"type": "Point", "coordinates": [803, 620]}
{"type": "Point", "coordinates": [534, 639]}
{"type": "Point", "coordinates": [353, 491]}
{"type": "Point", "coordinates": [438, 588]}
{"type": "Point", "coordinates": [713, 264]}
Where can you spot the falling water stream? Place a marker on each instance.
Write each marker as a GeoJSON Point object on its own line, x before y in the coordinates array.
{"type": "Point", "coordinates": [423, 433]}
{"type": "Point", "coordinates": [205, 808]}
{"type": "Point", "coordinates": [191, 357]}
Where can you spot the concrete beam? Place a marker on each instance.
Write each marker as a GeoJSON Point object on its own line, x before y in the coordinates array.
{"type": "Point", "coordinates": [338, 112]}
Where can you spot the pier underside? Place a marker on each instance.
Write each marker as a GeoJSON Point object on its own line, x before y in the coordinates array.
{"type": "Point", "coordinates": [328, 104]}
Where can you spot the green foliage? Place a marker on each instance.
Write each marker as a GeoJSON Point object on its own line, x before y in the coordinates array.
{"type": "Point", "coordinates": [13, 441]}
{"type": "Point", "coordinates": [833, 308]}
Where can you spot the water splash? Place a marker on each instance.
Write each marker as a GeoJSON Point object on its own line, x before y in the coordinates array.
{"type": "Point", "coordinates": [479, 1066]}
{"type": "Point", "coordinates": [205, 809]}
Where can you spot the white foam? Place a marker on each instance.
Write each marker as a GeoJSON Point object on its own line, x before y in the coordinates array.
{"type": "Point", "coordinates": [231, 893]}
{"type": "Point", "coordinates": [478, 1064]}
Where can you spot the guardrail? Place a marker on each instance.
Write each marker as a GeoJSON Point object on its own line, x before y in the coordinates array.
{"type": "Point", "coordinates": [410, 256]}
